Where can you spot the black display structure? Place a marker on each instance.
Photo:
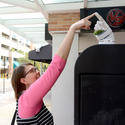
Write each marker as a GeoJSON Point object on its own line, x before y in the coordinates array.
{"type": "Point", "coordinates": [100, 86]}
{"type": "Point", "coordinates": [114, 16]}
{"type": "Point", "coordinates": [43, 55]}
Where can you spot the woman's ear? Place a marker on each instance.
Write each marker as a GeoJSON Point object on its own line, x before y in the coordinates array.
{"type": "Point", "coordinates": [22, 80]}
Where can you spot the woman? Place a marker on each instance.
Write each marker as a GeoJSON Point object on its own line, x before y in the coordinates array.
{"type": "Point", "coordinates": [30, 88]}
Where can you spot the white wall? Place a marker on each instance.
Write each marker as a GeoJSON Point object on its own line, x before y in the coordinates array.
{"type": "Point", "coordinates": [88, 39]}
{"type": "Point", "coordinates": [63, 90]}
{"type": "Point", "coordinates": [120, 37]}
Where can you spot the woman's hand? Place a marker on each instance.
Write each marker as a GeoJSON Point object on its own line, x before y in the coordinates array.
{"type": "Point", "coordinates": [82, 24]}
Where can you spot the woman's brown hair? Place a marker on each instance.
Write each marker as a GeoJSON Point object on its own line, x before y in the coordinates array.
{"type": "Point", "coordinates": [19, 73]}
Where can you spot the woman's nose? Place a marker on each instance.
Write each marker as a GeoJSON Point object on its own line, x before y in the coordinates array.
{"type": "Point", "coordinates": [37, 71]}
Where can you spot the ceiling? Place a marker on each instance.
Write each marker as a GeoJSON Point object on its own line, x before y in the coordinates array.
{"type": "Point", "coordinates": [28, 17]}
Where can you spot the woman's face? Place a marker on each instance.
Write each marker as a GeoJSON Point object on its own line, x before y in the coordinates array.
{"type": "Point", "coordinates": [31, 75]}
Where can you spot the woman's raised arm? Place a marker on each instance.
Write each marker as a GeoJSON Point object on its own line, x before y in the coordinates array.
{"type": "Point", "coordinates": [64, 49]}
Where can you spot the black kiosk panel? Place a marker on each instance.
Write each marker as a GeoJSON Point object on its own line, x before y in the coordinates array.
{"type": "Point", "coordinates": [102, 99]}
{"type": "Point", "coordinates": [100, 86]}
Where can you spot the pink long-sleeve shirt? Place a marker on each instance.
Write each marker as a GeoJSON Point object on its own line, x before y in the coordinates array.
{"type": "Point", "coordinates": [31, 101]}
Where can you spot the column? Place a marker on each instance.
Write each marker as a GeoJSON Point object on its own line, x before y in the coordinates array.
{"type": "Point", "coordinates": [63, 90]}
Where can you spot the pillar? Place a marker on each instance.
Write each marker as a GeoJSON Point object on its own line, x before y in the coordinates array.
{"type": "Point", "coordinates": [63, 90]}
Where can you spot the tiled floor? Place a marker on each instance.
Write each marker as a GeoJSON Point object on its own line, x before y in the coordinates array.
{"type": "Point", "coordinates": [7, 103]}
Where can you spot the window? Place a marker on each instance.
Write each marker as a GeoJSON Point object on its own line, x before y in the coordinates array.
{"type": "Point", "coordinates": [4, 46]}
{"type": "Point", "coordinates": [5, 35]}
{"type": "Point", "coordinates": [14, 39]}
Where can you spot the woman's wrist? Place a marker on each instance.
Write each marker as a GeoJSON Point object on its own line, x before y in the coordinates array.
{"type": "Point", "coordinates": [72, 28]}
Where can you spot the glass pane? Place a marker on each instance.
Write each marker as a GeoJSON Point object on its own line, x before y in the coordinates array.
{"type": "Point", "coordinates": [65, 1]}
{"type": "Point", "coordinates": [59, 1]}
{"type": "Point", "coordinates": [21, 16]}
{"type": "Point", "coordinates": [98, 0]}
{"type": "Point", "coordinates": [5, 5]}
{"type": "Point", "coordinates": [62, 1]}
{"type": "Point", "coordinates": [30, 0]}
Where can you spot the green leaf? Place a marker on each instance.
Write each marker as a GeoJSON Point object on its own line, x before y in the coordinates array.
{"type": "Point", "coordinates": [98, 32]}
